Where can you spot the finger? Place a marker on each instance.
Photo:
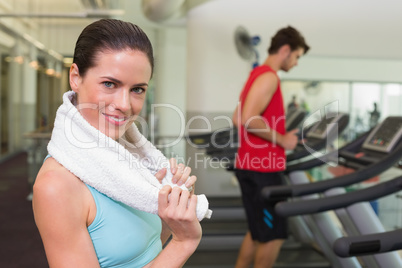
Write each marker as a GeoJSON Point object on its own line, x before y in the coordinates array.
{"type": "Point", "coordinates": [192, 204]}
{"type": "Point", "coordinates": [184, 198]}
{"type": "Point", "coordinates": [161, 174]}
{"type": "Point", "coordinates": [294, 131]}
{"type": "Point", "coordinates": [163, 197]}
{"type": "Point", "coordinates": [191, 182]}
{"type": "Point", "coordinates": [173, 165]}
{"type": "Point", "coordinates": [179, 173]}
{"type": "Point", "coordinates": [175, 196]}
{"type": "Point", "coordinates": [184, 177]}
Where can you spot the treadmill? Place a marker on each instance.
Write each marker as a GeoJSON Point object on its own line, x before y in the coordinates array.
{"type": "Point", "coordinates": [374, 243]}
{"type": "Point", "coordinates": [294, 118]}
{"type": "Point", "coordinates": [319, 135]}
{"type": "Point", "coordinates": [371, 154]}
{"type": "Point", "coordinates": [221, 145]}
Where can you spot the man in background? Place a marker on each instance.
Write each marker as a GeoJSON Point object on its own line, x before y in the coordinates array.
{"type": "Point", "coordinates": [260, 161]}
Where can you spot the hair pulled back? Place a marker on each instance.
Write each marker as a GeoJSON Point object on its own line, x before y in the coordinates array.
{"type": "Point", "coordinates": [109, 35]}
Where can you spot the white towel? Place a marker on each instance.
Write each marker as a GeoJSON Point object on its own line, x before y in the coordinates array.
{"type": "Point", "coordinates": [122, 170]}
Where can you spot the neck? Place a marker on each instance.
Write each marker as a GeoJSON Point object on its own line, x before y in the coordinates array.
{"type": "Point", "coordinates": [274, 62]}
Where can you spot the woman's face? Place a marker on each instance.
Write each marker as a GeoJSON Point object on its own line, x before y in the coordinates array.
{"type": "Point", "coordinates": [111, 94]}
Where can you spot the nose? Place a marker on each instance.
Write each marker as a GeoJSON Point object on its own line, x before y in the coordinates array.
{"type": "Point", "coordinates": [122, 101]}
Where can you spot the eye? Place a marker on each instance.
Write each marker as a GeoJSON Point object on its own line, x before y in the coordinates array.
{"type": "Point", "coordinates": [108, 84]}
{"type": "Point", "coordinates": [138, 90]}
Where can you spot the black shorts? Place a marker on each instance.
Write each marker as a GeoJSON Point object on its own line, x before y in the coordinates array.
{"type": "Point", "coordinates": [264, 224]}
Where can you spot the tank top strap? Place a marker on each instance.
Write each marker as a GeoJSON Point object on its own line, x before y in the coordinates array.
{"type": "Point", "coordinates": [47, 157]}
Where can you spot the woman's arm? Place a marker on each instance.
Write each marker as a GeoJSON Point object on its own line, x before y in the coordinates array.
{"type": "Point", "coordinates": [177, 210]}
{"type": "Point", "coordinates": [61, 212]}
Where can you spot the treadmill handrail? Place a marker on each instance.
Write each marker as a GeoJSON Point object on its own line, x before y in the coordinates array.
{"type": "Point", "coordinates": [312, 163]}
{"type": "Point", "coordinates": [302, 207]}
{"type": "Point", "coordinates": [303, 153]}
{"type": "Point", "coordinates": [368, 244]}
{"type": "Point", "coordinates": [341, 181]}
{"type": "Point", "coordinates": [320, 142]}
{"type": "Point", "coordinates": [322, 160]}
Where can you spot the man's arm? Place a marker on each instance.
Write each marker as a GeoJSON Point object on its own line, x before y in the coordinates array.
{"type": "Point", "coordinates": [235, 117]}
{"type": "Point", "coordinates": [258, 98]}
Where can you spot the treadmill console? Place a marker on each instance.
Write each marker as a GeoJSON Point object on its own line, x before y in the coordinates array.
{"type": "Point", "coordinates": [321, 129]}
{"type": "Point", "coordinates": [294, 117]}
{"type": "Point", "coordinates": [385, 136]}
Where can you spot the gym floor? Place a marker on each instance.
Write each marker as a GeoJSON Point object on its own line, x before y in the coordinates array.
{"type": "Point", "coordinates": [20, 243]}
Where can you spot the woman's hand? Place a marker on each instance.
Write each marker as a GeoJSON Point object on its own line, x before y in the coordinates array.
{"type": "Point", "coordinates": [181, 175]}
{"type": "Point", "coordinates": [177, 209]}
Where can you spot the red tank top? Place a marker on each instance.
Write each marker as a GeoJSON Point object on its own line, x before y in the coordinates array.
{"type": "Point", "coordinates": [254, 152]}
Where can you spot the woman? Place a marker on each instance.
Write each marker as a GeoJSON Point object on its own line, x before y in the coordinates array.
{"type": "Point", "coordinates": [80, 227]}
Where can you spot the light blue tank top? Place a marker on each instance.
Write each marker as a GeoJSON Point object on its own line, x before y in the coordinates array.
{"type": "Point", "coordinates": [123, 236]}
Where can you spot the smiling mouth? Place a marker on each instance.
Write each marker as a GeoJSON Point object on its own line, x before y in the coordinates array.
{"type": "Point", "coordinates": [116, 119]}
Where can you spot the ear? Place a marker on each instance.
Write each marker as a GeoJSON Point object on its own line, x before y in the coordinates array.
{"type": "Point", "coordinates": [75, 78]}
{"type": "Point", "coordinates": [285, 50]}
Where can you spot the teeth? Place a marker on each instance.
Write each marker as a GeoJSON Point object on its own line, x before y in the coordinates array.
{"type": "Point", "coordinates": [116, 118]}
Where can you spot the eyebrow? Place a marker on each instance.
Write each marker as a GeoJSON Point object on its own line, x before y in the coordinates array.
{"type": "Point", "coordinates": [117, 81]}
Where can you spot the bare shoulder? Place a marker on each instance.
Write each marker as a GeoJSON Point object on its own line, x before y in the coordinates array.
{"type": "Point", "coordinates": [57, 189]}
{"type": "Point", "coordinates": [54, 179]}
{"type": "Point", "coordinates": [262, 90]}
{"type": "Point", "coordinates": [267, 82]}
{"type": "Point", "coordinates": [62, 205]}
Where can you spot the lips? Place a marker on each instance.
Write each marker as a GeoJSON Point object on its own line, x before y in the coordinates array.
{"type": "Point", "coordinates": [116, 120]}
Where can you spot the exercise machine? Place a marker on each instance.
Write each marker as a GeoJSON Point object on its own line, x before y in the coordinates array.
{"type": "Point", "coordinates": [370, 155]}
{"type": "Point", "coordinates": [230, 218]}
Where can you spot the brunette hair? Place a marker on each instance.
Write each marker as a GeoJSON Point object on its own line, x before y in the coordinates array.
{"type": "Point", "coordinates": [288, 36]}
{"type": "Point", "coordinates": [109, 34]}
